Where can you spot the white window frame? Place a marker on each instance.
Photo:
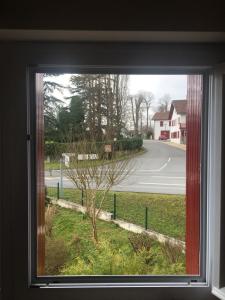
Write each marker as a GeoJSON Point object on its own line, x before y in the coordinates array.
{"type": "Point", "coordinates": [162, 280]}
{"type": "Point", "coordinates": [215, 180]}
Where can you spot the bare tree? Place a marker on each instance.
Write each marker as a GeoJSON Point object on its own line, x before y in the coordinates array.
{"type": "Point", "coordinates": [136, 104]}
{"type": "Point", "coordinates": [148, 98]}
{"type": "Point", "coordinates": [164, 103]}
{"type": "Point", "coordinates": [95, 177]}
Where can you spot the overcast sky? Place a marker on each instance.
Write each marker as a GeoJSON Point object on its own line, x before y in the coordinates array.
{"type": "Point", "coordinates": [175, 85]}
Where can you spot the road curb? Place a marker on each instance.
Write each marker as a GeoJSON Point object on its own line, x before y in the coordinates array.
{"type": "Point", "coordinates": [178, 146]}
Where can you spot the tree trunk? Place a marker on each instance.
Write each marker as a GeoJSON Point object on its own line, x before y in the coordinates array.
{"type": "Point", "coordinates": [94, 231]}
{"type": "Point", "coordinates": [147, 118]}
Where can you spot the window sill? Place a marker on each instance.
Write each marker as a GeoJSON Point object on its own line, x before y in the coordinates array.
{"type": "Point", "coordinates": [219, 293]}
{"type": "Point", "coordinates": [123, 285]}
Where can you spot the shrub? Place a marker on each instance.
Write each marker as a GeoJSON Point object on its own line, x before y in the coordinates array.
{"type": "Point", "coordinates": [106, 260]}
{"type": "Point", "coordinates": [140, 242]}
{"type": "Point", "coordinates": [128, 144]}
{"type": "Point", "coordinates": [56, 255]}
{"type": "Point", "coordinates": [54, 149]}
{"type": "Point", "coordinates": [76, 243]}
{"type": "Point", "coordinates": [173, 253]}
{"type": "Point", "coordinates": [50, 212]}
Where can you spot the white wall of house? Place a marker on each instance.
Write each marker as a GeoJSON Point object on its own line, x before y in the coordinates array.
{"type": "Point", "coordinates": [158, 128]}
{"type": "Point", "coordinates": [175, 132]}
{"type": "Point", "coordinates": [183, 118]}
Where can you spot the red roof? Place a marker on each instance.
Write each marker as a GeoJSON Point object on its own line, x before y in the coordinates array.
{"type": "Point", "coordinates": [180, 106]}
{"type": "Point", "coordinates": [161, 116]}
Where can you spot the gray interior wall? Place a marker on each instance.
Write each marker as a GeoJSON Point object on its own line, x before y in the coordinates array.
{"type": "Point", "coordinates": [14, 61]}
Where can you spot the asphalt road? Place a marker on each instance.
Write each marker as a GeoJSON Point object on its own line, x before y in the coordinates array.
{"type": "Point", "coordinates": [162, 169]}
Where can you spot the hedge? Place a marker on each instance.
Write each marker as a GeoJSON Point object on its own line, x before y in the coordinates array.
{"type": "Point", "coordinates": [55, 149]}
{"type": "Point", "coordinates": [128, 144]}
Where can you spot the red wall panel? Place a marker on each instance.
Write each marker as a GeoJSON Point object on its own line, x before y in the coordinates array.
{"type": "Point", "coordinates": [40, 176]}
{"type": "Point", "coordinates": [193, 156]}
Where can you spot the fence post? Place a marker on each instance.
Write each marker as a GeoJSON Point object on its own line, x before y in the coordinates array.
{"type": "Point", "coordinates": [82, 197]}
{"type": "Point", "coordinates": [146, 218]}
{"type": "Point", "coordinates": [61, 179]}
{"type": "Point", "coordinates": [114, 206]}
{"type": "Point", "coordinates": [58, 190]}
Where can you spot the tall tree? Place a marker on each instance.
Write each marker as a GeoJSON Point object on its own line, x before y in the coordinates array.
{"type": "Point", "coordinates": [148, 98]}
{"type": "Point", "coordinates": [77, 116]}
{"type": "Point", "coordinates": [71, 120]}
{"type": "Point", "coordinates": [164, 103]}
{"type": "Point", "coordinates": [136, 105]}
{"type": "Point", "coordinates": [104, 97]}
{"type": "Point", "coordinates": [52, 105]}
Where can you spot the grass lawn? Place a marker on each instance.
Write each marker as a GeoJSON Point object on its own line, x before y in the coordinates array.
{"type": "Point", "coordinates": [166, 213]}
{"type": "Point", "coordinates": [113, 255]}
{"type": "Point", "coordinates": [55, 165]}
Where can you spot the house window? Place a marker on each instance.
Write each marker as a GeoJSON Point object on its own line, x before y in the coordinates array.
{"type": "Point", "coordinates": [169, 123]}
{"type": "Point", "coordinates": [161, 123]}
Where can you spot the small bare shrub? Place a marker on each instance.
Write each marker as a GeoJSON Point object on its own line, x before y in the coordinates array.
{"type": "Point", "coordinates": [76, 243]}
{"type": "Point", "coordinates": [173, 253]}
{"type": "Point", "coordinates": [140, 242]}
{"type": "Point", "coordinates": [50, 212]}
{"type": "Point", "coordinates": [56, 255]}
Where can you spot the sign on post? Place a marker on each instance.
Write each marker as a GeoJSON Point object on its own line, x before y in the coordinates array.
{"type": "Point", "coordinates": [108, 148]}
{"type": "Point", "coordinates": [67, 158]}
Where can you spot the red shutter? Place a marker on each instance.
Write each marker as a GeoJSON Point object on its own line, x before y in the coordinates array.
{"type": "Point", "coordinates": [40, 176]}
{"type": "Point", "coordinates": [194, 108]}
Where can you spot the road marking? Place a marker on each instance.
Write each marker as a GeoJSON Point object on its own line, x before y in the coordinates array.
{"type": "Point", "coordinates": [161, 184]}
{"type": "Point", "coordinates": [161, 168]}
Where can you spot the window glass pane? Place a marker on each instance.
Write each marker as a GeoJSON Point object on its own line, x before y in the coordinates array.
{"type": "Point", "coordinates": [112, 186]}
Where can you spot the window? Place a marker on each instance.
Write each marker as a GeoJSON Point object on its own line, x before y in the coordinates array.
{"type": "Point", "coordinates": [17, 282]}
{"type": "Point", "coordinates": [77, 159]}
{"type": "Point", "coordinates": [161, 123]}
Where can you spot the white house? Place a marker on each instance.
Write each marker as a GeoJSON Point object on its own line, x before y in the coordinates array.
{"type": "Point", "coordinates": [172, 124]}
{"type": "Point", "coordinates": [161, 124]}
{"type": "Point", "coordinates": [178, 111]}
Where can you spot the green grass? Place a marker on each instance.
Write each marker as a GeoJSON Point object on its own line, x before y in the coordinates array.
{"type": "Point", "coordinates": [55, 165]}
{"type": "Point", "coordinates": [166, 213]}
{"type": "Point", "coordinates": [113, 255]}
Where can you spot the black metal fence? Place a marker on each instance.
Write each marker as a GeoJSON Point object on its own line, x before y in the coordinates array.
{"type": "Point", "coordinates": [112, 204]}
{"type": "Point", "coordinates": [165, 215]}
